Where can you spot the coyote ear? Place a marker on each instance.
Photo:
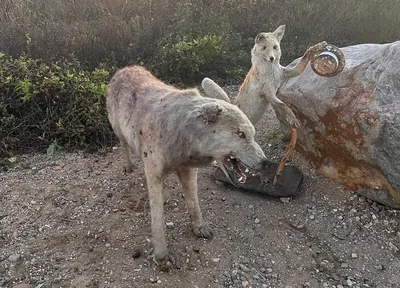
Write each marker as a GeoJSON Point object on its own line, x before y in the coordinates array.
{"type": "Point", "coordinates": [259, 37]}
{"type": "Point", "coordinates": [210, 112]}
{"type": "Point", "coordinates": [279, 32]}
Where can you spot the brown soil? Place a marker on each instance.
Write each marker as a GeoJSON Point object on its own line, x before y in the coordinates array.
{"type": "Point", "coordinates": [75, 220]}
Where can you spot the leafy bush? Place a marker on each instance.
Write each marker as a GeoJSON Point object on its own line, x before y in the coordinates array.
{"type": "Point", "coordinates": [189, 60]}
{"type": "Point", "coordinates": [55, 104]}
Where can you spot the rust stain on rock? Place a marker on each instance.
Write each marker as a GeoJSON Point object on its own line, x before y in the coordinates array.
{"type": "Point", "coordinates": [346, 121]}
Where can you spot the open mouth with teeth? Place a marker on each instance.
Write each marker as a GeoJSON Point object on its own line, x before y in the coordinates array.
{"type": "Point", "coordinates": [234, 164]}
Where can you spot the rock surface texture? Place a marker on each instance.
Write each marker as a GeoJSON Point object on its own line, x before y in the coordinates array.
{"type": "Point", "coordinates": [350, 123]}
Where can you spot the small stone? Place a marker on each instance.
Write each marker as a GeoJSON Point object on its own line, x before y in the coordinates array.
{"type": "Point", "coordinates": [251, 206]}
{"type": "Point", "coordinates": [256, 277]}
{"type": "Point", "coordinates": [344, 265]}
{"type": "Point", "coordinates": [264, 286]}
{"type": "Point", "coordinates": [158, 281]}
{"type": "Point", "coordinates": [108, 244]}
{"type": "Point", "coordinates": [245, 283]}
{"type": "Point", "coordinates": [349, 283]}
{"type": "Point", "coordinates": [339, 286]}
{"type": "Point", "coordinates": [257, 221]}
{"type": "Point", "coordinates": [354, 255]}
{"type": "Point", "coordinates": [353, 212]}
{"type": "Point", "coordinates": [176, 209]}
{"type": "Point", "coordinates": [312, 217]}
{"type": "Point", "coordinates": [216, 260]}
{"type": "Point", "coordinates": [223, 199]}
{"type": "Point", "coordinates": [170, 224]}
{"type": "Point", "coordinates": [380, 267]}
{"type": "Point", "coordinates": [152, 280]}
{"type": "Point", "coordinates": [285, 199]}
{"type": "Point", "coordinates": [269, 270]}
{"type": "Point", "coordinates": [136, 253]}
{"type": "Point", "coordinates": [244, 268]}
{"type": "Point", "coordinates": [393, 247]}
{"type": "Point", "coordinates": [14, 258]}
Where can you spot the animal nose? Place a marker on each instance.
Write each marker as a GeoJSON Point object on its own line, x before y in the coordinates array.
{"type": "Point", "coordinates": [271, 58]}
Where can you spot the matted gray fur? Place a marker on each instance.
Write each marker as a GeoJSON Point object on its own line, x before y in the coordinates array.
{"type": "Point", "coordinates": [176, 130]}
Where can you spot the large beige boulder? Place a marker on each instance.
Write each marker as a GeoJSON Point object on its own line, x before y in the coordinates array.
{"type": "Point", "coordinates": [351, 122]}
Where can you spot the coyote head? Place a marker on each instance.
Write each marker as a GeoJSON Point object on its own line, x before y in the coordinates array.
{"type": "Point", "coordinates": [228, 137]}
{"type": "Point", "coordinates": [267, 46]}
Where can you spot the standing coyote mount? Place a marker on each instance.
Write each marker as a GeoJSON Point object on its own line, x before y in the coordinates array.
{"type": "Point", "coordinates": [261, 84]}
{"type": "Point", "coordinates": [177, 131]}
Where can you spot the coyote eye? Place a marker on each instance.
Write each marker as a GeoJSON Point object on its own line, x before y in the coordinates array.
{"type": "Point", "coordinates": [241, 135]}
{"type": "Point", "coordinates": [264, 47]}
{"type": "Point", "coordinates": [275, 47]}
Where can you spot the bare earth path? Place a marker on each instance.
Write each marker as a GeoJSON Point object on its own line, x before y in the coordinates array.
{"type": "Point", "coordinates": [75, 220]}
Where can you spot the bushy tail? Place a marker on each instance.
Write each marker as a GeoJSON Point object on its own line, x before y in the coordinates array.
{"type": "Point", "coordinates": [213, 90]}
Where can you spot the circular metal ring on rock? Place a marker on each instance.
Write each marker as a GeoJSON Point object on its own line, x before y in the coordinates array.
{"type": "Point", "coordinates": [329, 62]}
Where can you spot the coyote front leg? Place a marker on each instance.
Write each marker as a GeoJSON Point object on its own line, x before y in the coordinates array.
{"type": "Point", "coordinates": [284, 113]}
{"type": "Point", "coordinates": [302, 64]}
{"type": "Point", "coordinates": [188, 179]}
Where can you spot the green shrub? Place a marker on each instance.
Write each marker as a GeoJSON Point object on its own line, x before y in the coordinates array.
{"type": "Point", "coordinates": [44, 104]}
{"type": "Point", "coordinates": [188, 60]}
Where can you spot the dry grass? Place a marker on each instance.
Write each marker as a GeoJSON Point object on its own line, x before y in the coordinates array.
{"type": "Point", "coordinates": [123, 32]}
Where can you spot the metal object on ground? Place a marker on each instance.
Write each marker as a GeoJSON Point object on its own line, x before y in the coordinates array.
{"type": "Point", "coordinates": [328, 63]}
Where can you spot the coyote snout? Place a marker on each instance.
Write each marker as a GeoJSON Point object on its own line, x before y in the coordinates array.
{"type": "Point", "coordinates": [232, 142]}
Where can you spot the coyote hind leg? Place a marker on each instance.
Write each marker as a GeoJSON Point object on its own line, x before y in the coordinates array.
{"type": "Point", "coordinates": [126, 154]}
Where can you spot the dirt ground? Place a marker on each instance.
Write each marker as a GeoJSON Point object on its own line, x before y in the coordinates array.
{"type": "Point", "coordinates": [75, 220]}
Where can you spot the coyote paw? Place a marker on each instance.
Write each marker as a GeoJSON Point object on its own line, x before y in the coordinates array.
{"type": "Point", "coordinates": [164, 260]}
{"type": "Point", "coordinates": [204, 231]}
{"type": "Point", "coordinates": [293, 122]}
{"type": "Point", "coordinates": [128, 168]}
{"type": "Point", "coordinates": [287, 115]}
{"type": "Point", "coordinates": [317, 47]}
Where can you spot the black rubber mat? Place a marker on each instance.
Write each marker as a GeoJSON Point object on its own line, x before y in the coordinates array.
{"type": "Point", "coordinates": [288, 185]}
